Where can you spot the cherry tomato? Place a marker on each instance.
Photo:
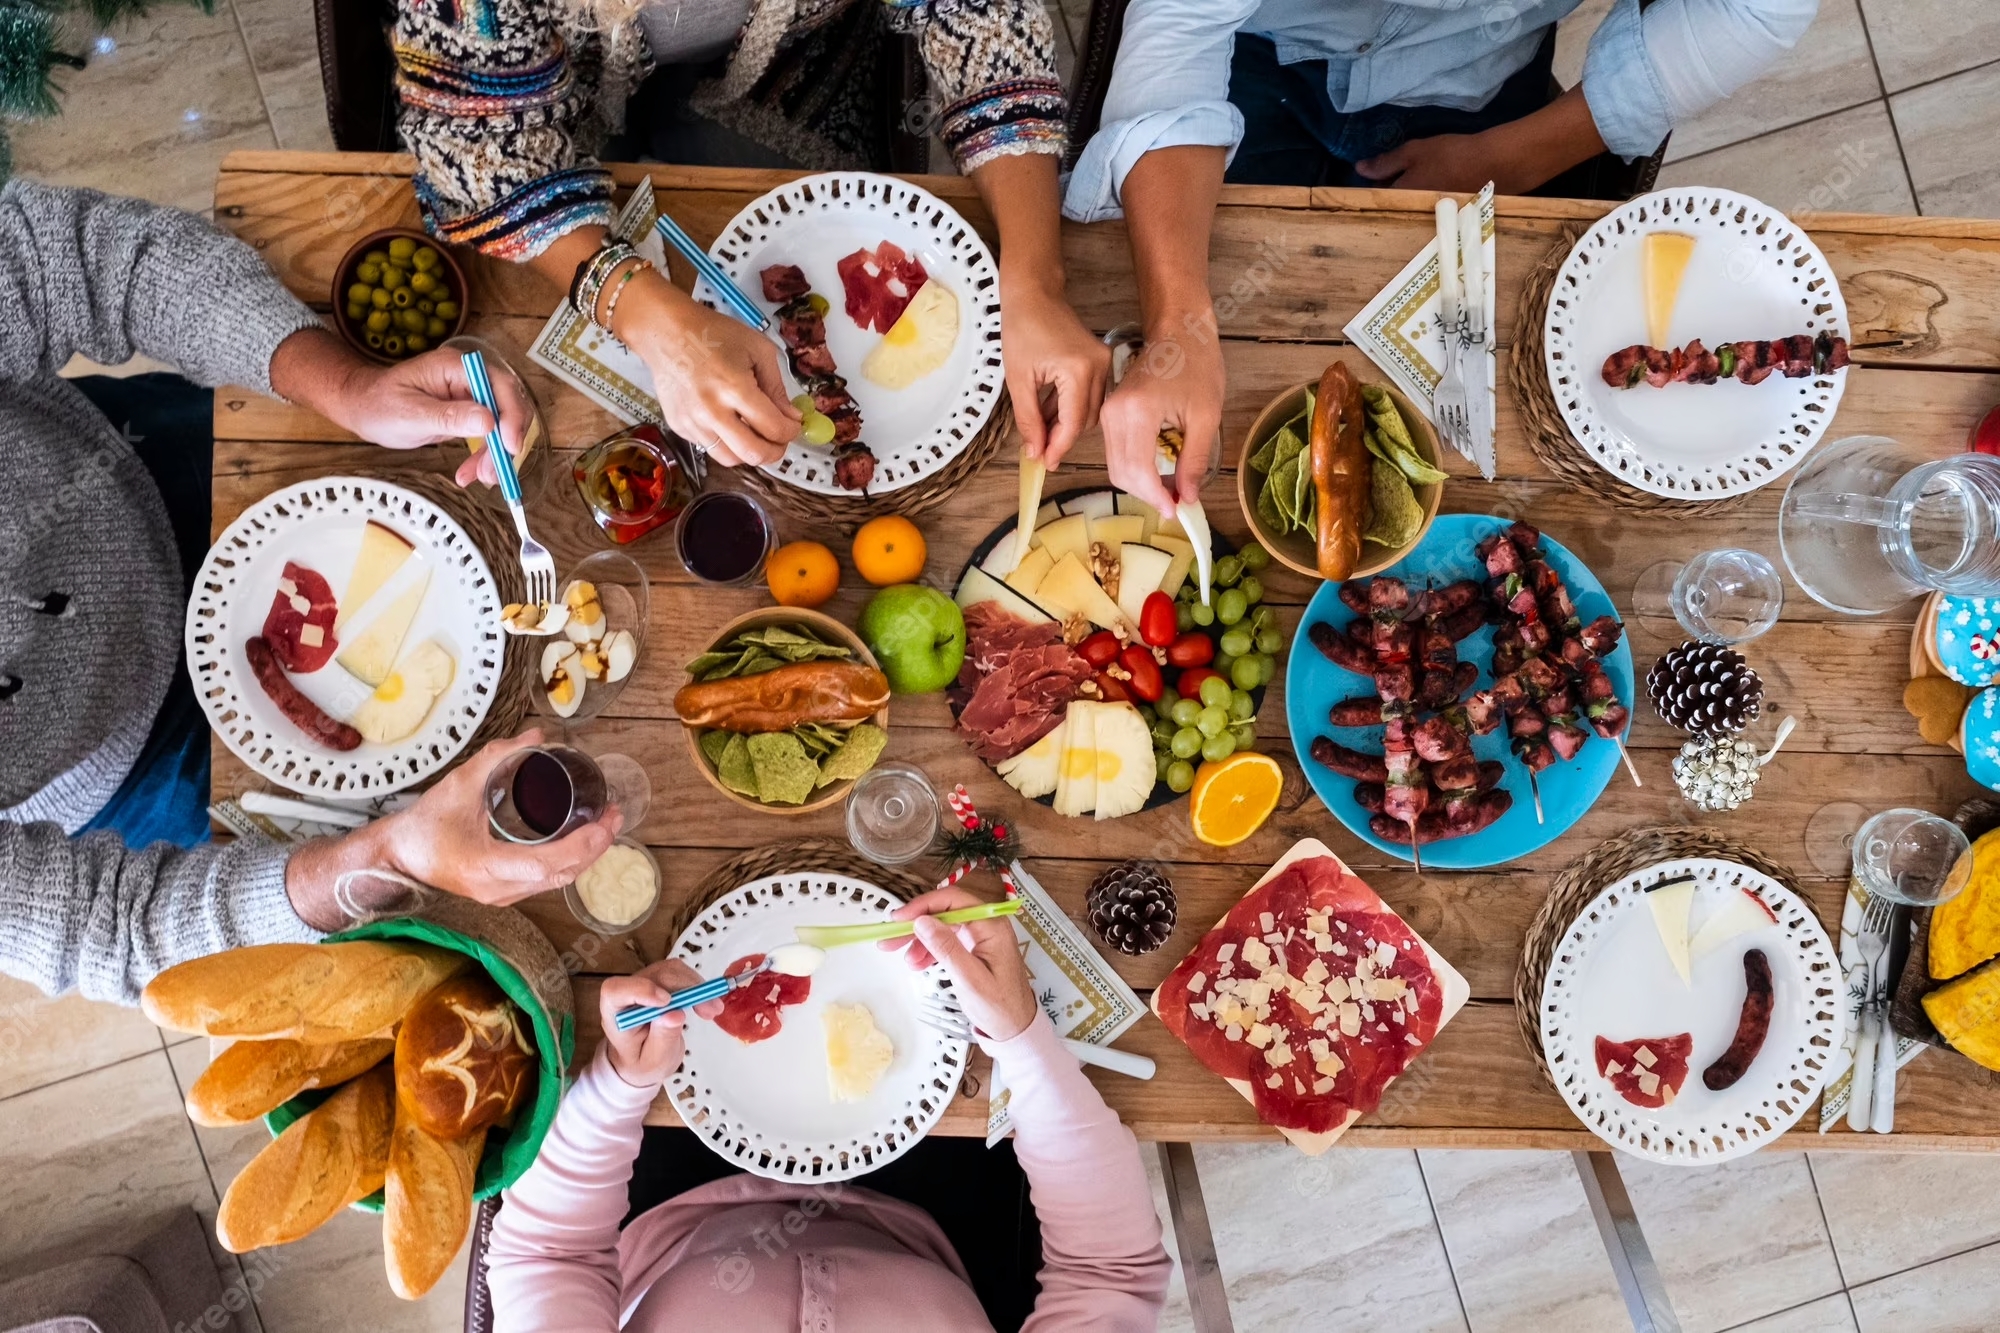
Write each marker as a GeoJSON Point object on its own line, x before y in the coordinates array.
{"type": "Point", "coordinates": [1985, 437]}
{"type": "Point", "coordinates": [1148, 681]}
{"type": "Point", "coordinates": [1189, 685]}
{"type": "Point", "coordinates": [1192, 649]}
{"type": "Point", "coordinates": [1157, 619]}
{"type": "Point", "coordinates": [1100, 649]}
{"type": "Point", "coordinates": [1112, 691]}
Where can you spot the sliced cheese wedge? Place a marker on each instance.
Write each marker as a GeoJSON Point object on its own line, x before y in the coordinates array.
{"type": "Point", "coordinates": [1665, 260]}
{"type": "Point", "coordinates": [1141, 570]}
{"type": "Point", "coordinates": [1195, 520]}
{"type": "Point", "coordinates": [1028, 575]}
{"type": "Point", "coordinates": [1116, 531]}
{"type": "Point", "coordinates": [1741, 914]}
{"type": "Point", "coordinates": [1070, 591]}
{"type": "Point", "coordinates": [1069, 535]}
{"type": "Point", "coordinates": [383, 552]}
{"type": "Point", "coordinates": [1033, 474]}
{"type": "Point", "coordinates": [978, 586]}
{"type": "Point", "coordinates": [1671, 903]}
{"type": "Point", "coordinates": [371, 654]}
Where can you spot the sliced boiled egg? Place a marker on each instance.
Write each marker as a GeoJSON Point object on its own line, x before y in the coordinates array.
{"type": "Point", "coordinates": [919, 342]}
{"type": "Point", "coordinates": [621, 651]}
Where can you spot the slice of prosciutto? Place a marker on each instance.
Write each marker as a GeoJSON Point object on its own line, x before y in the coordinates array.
{"type": "Point", "coordinates": [1646, 1071]}
{"type": "Point", "coordinates": [299, 627]}
{"type": "Point", "coordinates": [1017, 681]}
{"type": "Point", "coordinates": [1312, 992]}
{"type": "Point", "coordinates": [879, 283]}
{"type": "Point", "coordinates": [750, 1013]}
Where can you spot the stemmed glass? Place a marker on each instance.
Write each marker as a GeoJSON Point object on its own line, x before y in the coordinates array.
{"type": "Point", "coordinates": [546, 792]}
{"type": "Point", "coordinates": [1725, 596]}
{"type": "Point", "coordinates": [1912, 857]}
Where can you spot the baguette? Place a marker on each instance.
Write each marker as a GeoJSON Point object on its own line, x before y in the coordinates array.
{"type": "Point", "coordinates": [781, 699]}
{"type": "Point", "coordinates": [1340, 472]}
{"type": "Point", "coordinates": [324, 1161]}
{"type": "Point", "coordinates": [426, 1202]}
{"type": "Point", "coordinates": [315, 993]}
{"type": "Point", "coordinates": [251, 1078]}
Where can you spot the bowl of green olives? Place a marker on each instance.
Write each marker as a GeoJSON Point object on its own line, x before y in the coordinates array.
{"type": "Point", "coordinates": [397, 293]}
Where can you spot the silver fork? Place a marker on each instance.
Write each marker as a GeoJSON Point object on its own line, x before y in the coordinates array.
{"type": "Point", "coordinates": [939, 1009]}
{"type": "Point", "coordinates": [1870, 943]}
{"type": "Point", "coordinates": [1450, 404]}
{"type": "Point", "coordinates": [538, 567]}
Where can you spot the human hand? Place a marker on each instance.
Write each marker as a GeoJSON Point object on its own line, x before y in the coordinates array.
{"type": "Point", "coordinates": [1455, 163]}
{"type": "Point", "coordinates": [444, 840]}
{"type": "Point", "coordinates": [717, 380]}
{"type": "Point", "coordinates": [982, 957]}
{"type": "Point", "coordinates": [645, 1056]}
{"type": "Point", "coordinates": [1176, 381]}
{"type": "Point", "coordinates": [1053, 364]}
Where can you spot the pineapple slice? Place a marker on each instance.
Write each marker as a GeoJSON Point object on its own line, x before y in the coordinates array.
{"type": "Point", "coordinates": [857, 1052]}
{"type": "Point", "coordinates": [1076, 771]}
{"type": "Point", "coordinates": [1033, 771]}
{"type": "Point", "coordinates": [1125, 767]}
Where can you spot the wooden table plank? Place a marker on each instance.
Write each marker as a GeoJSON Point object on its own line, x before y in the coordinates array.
{"type": "Point", "coordinates": [1329, 251]}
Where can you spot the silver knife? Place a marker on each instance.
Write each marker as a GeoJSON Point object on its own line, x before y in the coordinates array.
{"type": "Point", "coordinates": [1477, 339]}
{"type": "Point", "coordinates": [1882, 1117]}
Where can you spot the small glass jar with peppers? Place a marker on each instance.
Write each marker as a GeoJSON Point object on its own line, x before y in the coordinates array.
{"type": "Point", "coordinates": [634, 482]}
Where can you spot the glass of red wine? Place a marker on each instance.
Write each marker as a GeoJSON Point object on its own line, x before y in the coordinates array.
{"type": "Point", "coordinates": [546, 792]}
{"type": "Point", "coordinates": [725, 537]}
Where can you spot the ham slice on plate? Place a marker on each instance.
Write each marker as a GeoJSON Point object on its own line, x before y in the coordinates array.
{"type": "Point", "coordinates": [750, 1013]}
{"type": "Point", "coordinates": [1646, 1071]}
{"type": "Point", "coordinates": [1016, 683]}
{"type": "Point", "coordinates": [1310, 997]}
{"type": "Point", "coordinates": [879, 283]}
{"type": "Point", "coordinates": [299, 627]}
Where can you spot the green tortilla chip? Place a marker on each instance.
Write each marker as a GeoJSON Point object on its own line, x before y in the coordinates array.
{"type": "Point", "coordinates": [709, 661]}
{"type": "Point", "coordinates": [1375, 447]}
{"type": "Point", "coordinates": [735, 769]}
{"type": "Point", "coordinates": [1397, 515]}
{"type": "Point", "coordinates": [1289, 444]}
{"type": "Point", "coordinates": [1275, 522]}
{"type": "Point", "coordinates": [1416, 469]}
{"type": "Point", "coordinates": [1305, 500]}
{"type": "Point", "coordinates": [784, 775]}
{"type": "Point", "coordinates": [1283, 492]}
{"type": "Point", "coordinates": [712, 744]}
{"type": "Point", "coordinates": [857, 756]}
{"type": "Point", "coordinates": [1265, 457]}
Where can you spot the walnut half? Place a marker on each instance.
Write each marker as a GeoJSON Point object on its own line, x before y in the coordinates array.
{"type": "Point", "coordinates": [1104, 568]}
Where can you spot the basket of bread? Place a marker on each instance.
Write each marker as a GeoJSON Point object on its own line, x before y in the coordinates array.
{"type": "Point", "coordinates": [408, 1066]}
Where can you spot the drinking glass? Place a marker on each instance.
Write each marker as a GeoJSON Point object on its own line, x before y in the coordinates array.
{"type": "Point", "coordinates": [531, 461]}
{"type": "Point", "coordinates": [1727, 596]}
{"type": "Point", "coordinates": [892, 813]}
{"type": "Point", "coordinates": [546, 792]}
{"type": "Point", "coordinates": [725, 537]}
{"type": "Point", "coordinates": [1912, 857]}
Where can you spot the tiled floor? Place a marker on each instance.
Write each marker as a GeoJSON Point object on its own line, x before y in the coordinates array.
{"type": "Point", "coordinates": [1886, 105]}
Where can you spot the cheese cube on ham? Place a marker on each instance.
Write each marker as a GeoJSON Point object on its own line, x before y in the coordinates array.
{"type": "Point", "coordinates": [1386, 988]}
{"type": "Point", "coordinates": [1275, 1081]}
{"type": "Point", "coordinates": [1350, 1019]}
{"type": "Point", "coordinates": [1385, 955]}
{"type": "Point", "coordinates": [1329, 1065]}
{"type": "Point", "coordinates": [1612, 1067]}
{"type": "Point", "coordinates": [1233, 1033]}
{"type": "Point", "coordinates": [1199, 1011]}
{"type": "Point", "coordinates": [1256, 954]}
{"type": "Point", "coordinates": [1316, 972]}
{"type": "Point", "coordinates": [1258, 1036]}
{"type": "Point", "coordinates": [1322, 1086]}
{"type": "Point", "coordinates": [1196, 982]}
{"type": "Point", "coordinates": [288, 588]}
{"type": "Point", "coordinates": [1266, 921]}
{"type": "Point", "coordinates": [312, 636]}
{"type": "Point", "coordinates": [1649, 1082]}
{"type": "Point", "coordinates": [1278, 1056]}
{"type": "Point", "coordinates": [1644, 1055]}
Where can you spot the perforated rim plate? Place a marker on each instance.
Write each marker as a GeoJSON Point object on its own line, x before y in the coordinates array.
{"type": "Point", "coordinates": [765, 1106]}
{"type": "Point", "coordinates": [318, 524]}
{"type": "Point", "coordinates": [1610, 976]}
{"type": "Point", "coordinates": [1754, 275]}
{"type": "Point", "coordinates": [816, 221]}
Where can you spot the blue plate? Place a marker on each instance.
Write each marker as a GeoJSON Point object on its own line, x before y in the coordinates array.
{"type": "Point", "coordinates": [1313, 685]}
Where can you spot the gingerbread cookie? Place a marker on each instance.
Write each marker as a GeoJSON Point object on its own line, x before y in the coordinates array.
{"type": "Point", "coordinates": [1938, 705]}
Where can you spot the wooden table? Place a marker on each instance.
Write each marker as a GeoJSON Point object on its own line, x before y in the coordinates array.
{"type": "Point", "coordinates": [1332, 250]}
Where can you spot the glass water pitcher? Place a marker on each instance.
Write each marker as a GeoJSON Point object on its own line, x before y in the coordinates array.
{"type": "Point", "coordinates": [1868, 523]}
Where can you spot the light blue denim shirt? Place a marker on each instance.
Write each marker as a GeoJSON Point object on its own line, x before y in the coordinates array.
{"type": "Point", "coordinates": [1644, 74]}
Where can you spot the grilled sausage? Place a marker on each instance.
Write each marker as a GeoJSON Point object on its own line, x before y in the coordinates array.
{"type": "Point", "coordinates": [303, 712]}
{"type": "Point", "coordinates": [1751, 1026]}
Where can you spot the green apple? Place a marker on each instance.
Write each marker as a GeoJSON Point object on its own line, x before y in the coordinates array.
{"type": "Point", "coordinates": [917, 634]}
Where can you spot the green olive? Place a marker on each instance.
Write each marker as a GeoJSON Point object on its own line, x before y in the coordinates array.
{"type": "Point", "coordinates": [436, 328]}
{"type": "Point", "coordinates": [402, 298]}
{"type": "Point", "coordinates": [818, 303]}
{"type": "Point", "coordinates": [410, 321]}
{"type": "Point", "coordinates": [392, 343]}
{"type": "Point", "coordinates": [375, 257]}
{"type": "Point", "coordinates": [357, 310]}
{"type": "Point", "coordinates": [415, 342]}
{"type": "Point", "coordinates": [373, 339]}
{"type": "Point", "coordinates": [428, 306]}
{"type": "Point", "coordinates": [394, 278]}
{"type": "Point", "coordinates": [422, 283]}
{"type": "Point", "coordinates": [401, 247]}
{"type": "Point", "coordinates": [379, 321]}
{"type": "Point", "coordinates": [379, 298]}
{"type": "Point", "coordinates": [441, 292]}
{"type": "Point", "coordinates": [359, 291]}
{"type": "Point", "coordinates": [447, 310]}
{"type": "Point", "coordinates": [425, 259]}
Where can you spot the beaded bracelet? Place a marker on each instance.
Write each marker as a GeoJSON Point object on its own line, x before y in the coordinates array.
{"type": "Point", "coordinates": [643, 265]}
{"type": "Point", "coordinates": [588, 284]}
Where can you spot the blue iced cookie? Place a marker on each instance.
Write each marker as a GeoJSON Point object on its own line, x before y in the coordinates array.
{"type": "Point", "coordinates": [1965, 639]}
{"type": "Point", "coordinates": [1979, 733]}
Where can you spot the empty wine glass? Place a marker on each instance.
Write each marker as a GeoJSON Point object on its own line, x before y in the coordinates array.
{"type": "Point", "coordinates": [1912, 857]}
{"type": "Point", "coordinates": [1727, 596]}
{"type": "Point", "coordinates": [892, 814]}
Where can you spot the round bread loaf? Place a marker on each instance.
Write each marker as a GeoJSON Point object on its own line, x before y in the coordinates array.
{"type": "Point", "coordinates": [464, 1059]}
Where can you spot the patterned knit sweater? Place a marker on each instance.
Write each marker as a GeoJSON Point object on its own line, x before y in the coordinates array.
{"type": "Point", "coordinates": [505, 101]}
{"type": "Point", "coordinates": [82, 675]}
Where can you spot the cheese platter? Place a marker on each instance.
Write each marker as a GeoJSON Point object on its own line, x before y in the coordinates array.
{"type": "Point", "coordinates": [1095, 678]}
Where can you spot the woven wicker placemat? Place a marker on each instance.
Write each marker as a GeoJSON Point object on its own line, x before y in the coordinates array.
{"type": "Point", "coordinates": [789, 858]}
{"type": "Point", "coordinates": [1548, 433]}
{"type": "Point", "coordinates": [1586, 877]}
{"type": "Point", "coordinates": [847, 511]}
{"type": "Point", "coordinates": [493, 533]}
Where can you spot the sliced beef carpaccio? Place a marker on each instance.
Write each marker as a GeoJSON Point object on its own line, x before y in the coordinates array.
{"type": "Point", "coordinates": [879, 284]}
{"type": "Point", "coordinates": [1017, 682]}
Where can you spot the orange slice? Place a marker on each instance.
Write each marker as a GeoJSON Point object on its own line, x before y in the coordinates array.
{"type": "Point", "coordinates": [1232, 798]}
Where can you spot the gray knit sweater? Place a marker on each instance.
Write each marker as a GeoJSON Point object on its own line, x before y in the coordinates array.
{"type": "Point", "coordinates": [109, 278]}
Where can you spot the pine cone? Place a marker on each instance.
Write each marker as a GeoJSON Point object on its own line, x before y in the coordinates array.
{"type": "Point", "coordinates": [1132, 906]}
{"type": "Point", "coordinates": [1705, 688]}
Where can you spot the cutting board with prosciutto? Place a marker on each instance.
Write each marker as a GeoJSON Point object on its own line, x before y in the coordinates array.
{"type": "Point", "coordinates": [1310, 997]}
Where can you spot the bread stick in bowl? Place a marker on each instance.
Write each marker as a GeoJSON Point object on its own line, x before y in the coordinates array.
{"type": "Point", "coordinates": [316, 993]}
{"type": "Point", "coordinates": [324, 1161]}
{"type": "Point", "coordinates": [252, 1078]}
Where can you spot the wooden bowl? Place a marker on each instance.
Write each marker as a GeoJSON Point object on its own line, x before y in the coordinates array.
{"type": "Point", "coordinates": [825, 627]}
{"type": "Point", "coordinates": [1298, 550]}
{"type": "Point", "coordinates": [343, 278]}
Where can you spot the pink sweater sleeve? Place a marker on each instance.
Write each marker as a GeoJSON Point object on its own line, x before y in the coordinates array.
{"type": "Point", "coordinates": [552, 1261]}
{"type": "Point", "coordinates": [1103, 1266]}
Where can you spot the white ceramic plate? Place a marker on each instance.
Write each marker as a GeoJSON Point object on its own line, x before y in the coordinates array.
{"type": "Point", "coordinates": [318, 524]}
{"type": "Point", "coordinates": [1754, 275]}
{"type": "Point", "coordinates": [1611, 977]}
{"type": "Point", "coordinates": [765, 1105]}
{"type": "Point", "coordinates": [817, 221]}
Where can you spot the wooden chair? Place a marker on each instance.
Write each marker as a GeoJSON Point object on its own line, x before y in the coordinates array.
{"type": "Point", "coordinates": [1606, 176]}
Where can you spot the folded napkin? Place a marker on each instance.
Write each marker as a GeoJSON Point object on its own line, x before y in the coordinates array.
{"type": "Point", "coordinates": [1399, 329]}
{"type": "Point", "coordinates": [1833, 1103]}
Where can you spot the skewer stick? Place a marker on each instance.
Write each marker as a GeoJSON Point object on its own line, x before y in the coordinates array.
{"type": "Point", "coordinates": [1416, 852]}
{"type": "Point", "coordinates": [1535, 786]}
{"type": "Point", "coordinates": [1626, 755]}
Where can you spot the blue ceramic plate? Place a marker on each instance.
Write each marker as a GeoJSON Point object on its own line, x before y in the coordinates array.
{"type": "Point", "coordinates": [1313, 685]}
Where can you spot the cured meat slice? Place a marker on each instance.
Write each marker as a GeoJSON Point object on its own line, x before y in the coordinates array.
{"type": "Point", "coordinates": [1017, 681]}
{"type": "Point", "coordinates": [1646, 1071]}
{"type": "Point", "coordinates": [1311, 992]}
{"type": "Point", "coordinates": [750, 1013]}
{"type": "Point", "coordinates": [299, 627]}
{"type": "Point", "coordinates": [879, 283]}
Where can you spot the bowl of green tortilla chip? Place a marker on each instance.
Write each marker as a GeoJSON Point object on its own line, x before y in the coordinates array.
{"type": "Point", "coordinates": [1274, 476]}
{"type": "Point", "coordinates": [803, 768]}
